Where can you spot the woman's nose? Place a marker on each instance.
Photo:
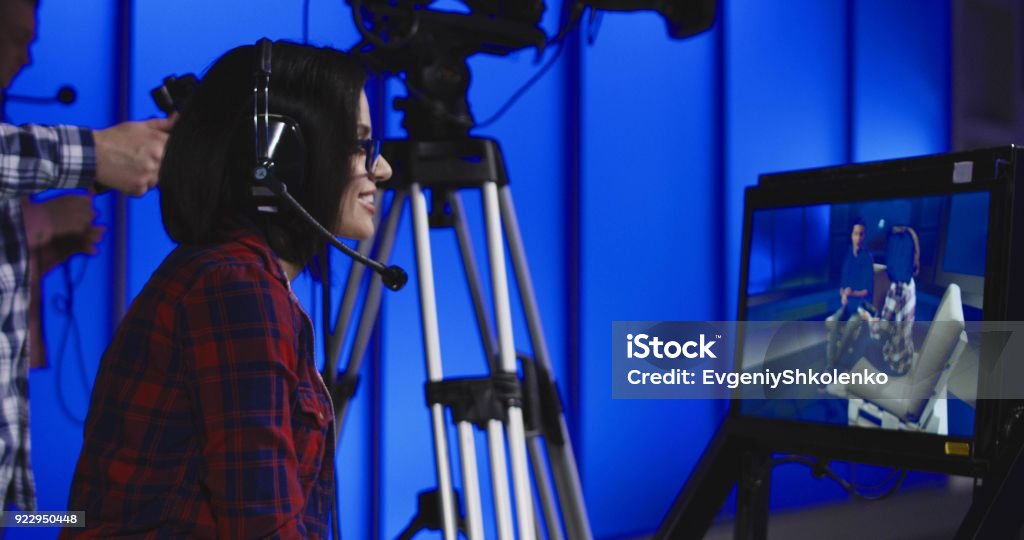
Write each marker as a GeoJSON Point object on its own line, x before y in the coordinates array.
{"type": "Point", "coordinates": [381, 170]}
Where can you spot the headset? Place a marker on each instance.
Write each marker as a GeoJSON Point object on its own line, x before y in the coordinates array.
{"type": "Point", "coordinates": [280, 154]}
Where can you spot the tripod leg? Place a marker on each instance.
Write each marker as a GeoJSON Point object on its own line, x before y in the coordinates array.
{"type": "Point", "coordinates": [371, 306]}
{"type": "Point", "coordinates": [348, 302]}
{"type": "Point", "coordinates": [506, 349]}
{"type": "Point", "coordinates": [547, 501]}
{"type": "Point", "coordinates": [469, 474]}
{"type": "Point", "coordinates": [470, 482]}
{"type": "Point", "coordinates": [499, 480]}
{"type": "Point", "coordinates": [431, 340]}
{"type": "Point", "coordinates": [355, 278]}
{"type": "Point", "coordinates": [476, 290]}
{"type": "Point", "coordinates": [502, 502]}
{"type": "Point", "coordinates": [563, 460]}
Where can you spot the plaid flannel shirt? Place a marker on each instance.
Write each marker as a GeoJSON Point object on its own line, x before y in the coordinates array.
{"type": "Point", "coordinates": [896, 326]}
{"type": "Point", "coordinates": [208, 417]}
{"type": "Point", "coordinates": [32, 159]}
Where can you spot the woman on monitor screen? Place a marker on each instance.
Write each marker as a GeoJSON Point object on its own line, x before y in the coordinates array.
{"type": "Point", "coordinates": [208, 417]}
{"type": "Point", "coordinates": [893, 327]}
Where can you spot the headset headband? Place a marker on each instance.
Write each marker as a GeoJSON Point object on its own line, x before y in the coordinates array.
{"type": "Point", "coordinates": [261, 103]}
{"type": "Point", "coordinates": [266, 181]}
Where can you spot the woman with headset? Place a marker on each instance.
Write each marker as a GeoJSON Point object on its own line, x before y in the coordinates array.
{"type": "Point", "coordinates": [208, 417]}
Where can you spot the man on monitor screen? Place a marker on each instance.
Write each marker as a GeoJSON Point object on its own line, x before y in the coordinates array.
{"type": "Point", "coordinates": [856, 284]}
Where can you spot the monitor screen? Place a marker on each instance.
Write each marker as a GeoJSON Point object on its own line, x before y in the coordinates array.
{"type": "Point", "coordinates": [883, 286]}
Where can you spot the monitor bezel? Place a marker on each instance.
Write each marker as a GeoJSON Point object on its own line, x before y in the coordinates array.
{"type": "Point", "coordinates": [992, 170]}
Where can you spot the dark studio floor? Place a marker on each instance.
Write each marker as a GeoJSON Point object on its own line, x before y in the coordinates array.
{"type": "Point", "coordinates": [915, 514]}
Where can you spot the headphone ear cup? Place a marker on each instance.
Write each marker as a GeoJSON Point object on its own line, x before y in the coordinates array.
{"type": "Point", "coordinates": [287, 151]}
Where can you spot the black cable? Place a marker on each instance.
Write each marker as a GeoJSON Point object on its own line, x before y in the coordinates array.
{"type": "Point", "coordinates": [312, 293]}
{"type": "Point", "coordinates": [522, 89]}
{"type": "Point", "coordinates": [282, 192]}
{"type": "Point", "coordinates": [821, 468]}
{"type": "Point", "coordinates": [878, 485]}
{"type": "Point", "coordinates": [593, 26]}
{"type": "Point", "coordinates": [357, 14]}
{"type": "Point", "coordinates": [305, 21]}
{"type": "Point", "coordinates": [325, 309]}
{"type": "Point", "coordinates": [559, 41]}
{"type": "Point", "coordinates": [313, 222]}
{"type": "Point", "coordinates": [65, 304]}
{"type": "Point", "coordinates": [336, 507]}
{"type": "Point", "coordinates": [393, 277]}
{"type": "Point", "coordinates": [323, 265]}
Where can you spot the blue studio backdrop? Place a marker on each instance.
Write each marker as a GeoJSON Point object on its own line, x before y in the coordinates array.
{"type": "Point", "coordinates": [627, 161]}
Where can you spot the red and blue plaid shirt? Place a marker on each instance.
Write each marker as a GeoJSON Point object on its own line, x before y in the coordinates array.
{"type": "Point", "coordinates": [208, 417]}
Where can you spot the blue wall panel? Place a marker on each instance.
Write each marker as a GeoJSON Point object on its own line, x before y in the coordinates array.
{"type": "Point", "coordinates": [901, 79]}
{"type": "Point", "coordinates": [786, 84]}
{"type": "Point", "coordinates": [648, 240]}
{"type": "Point", "coordinates": [785, 98]}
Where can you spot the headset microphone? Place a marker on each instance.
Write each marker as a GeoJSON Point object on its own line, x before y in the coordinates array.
{"type": "Point", "coordinates": [65, 95]}
{"type": "Point", "coordinates": [393, 276]}
{"type": "Point", "coordinates": [276, 134]}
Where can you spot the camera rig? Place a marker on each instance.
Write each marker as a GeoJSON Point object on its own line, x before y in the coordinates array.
{"type": "Point", "coordinates": [430, 47]}
{"type": "Point", "coordinates": [428, 50]}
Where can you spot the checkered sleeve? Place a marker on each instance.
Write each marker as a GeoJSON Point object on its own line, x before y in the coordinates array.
{"type": "Point", "coordinates": [238, 338]}
{"type": "Point", "coordinates": [895, 327]}
{"type": "Point", "coordinates": [36, 158]}
{"type": "Point", "coordinates": [899, 350]}
{"type": "Point", "coordinates": [881, 327]}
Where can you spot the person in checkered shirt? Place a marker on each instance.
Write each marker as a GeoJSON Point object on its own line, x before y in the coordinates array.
{"type": "Point", "coordinates": [35, 158]}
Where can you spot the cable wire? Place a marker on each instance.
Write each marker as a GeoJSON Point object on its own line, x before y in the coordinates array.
{"type": "Point", "coordinates": [64, 304]}
{"type": "Point", "coordinates": [594, 26]}
{"type": "Point", "coordinates": [305, 21]}
{"type": "Point", "coordinates": [567, 29]}
{"type": "Point", "coordinates": [357, 15]}
{"type": "Point", "coordinates": [523, 89]}
{"type": "Point", "coordinates": [821, 468]}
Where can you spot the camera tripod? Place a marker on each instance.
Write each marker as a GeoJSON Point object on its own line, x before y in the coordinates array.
{"type": "Point", "coordinates": [501, 404]}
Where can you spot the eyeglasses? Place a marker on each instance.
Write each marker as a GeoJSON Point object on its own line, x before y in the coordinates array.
{"type": "Point", "coordinates": [370, 149]}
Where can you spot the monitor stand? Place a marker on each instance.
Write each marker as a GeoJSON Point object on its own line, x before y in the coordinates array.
{"type": "Point", "coordinates": [735, 459]}
{"type": "Point", "coordinates": [729, 460]}
{"type": "Point", "coordinates": [996, 508]}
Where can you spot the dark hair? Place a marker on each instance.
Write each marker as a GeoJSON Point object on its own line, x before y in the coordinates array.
{"type": "Point", "coordinates": [902, 254]}
{"type": "Point", "coordinates": [858, 221]}
{"type": "Point", "coordinates": [35, 3]}
{"type": "Point", "coordinates": [205, 177]}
